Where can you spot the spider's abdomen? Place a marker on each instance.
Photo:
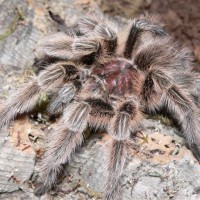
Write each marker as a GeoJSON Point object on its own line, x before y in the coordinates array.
{"type": "Point", "coordinates": [120, 78]}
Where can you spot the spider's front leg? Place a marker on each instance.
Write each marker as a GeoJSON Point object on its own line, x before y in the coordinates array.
{"type": "Point", "coordinates": [63, 96]}
{"type": "Point", "coordinates": [133, 32]}
{"type": "Point", "coordinates": [25, 99]}
{"type": "Point", "coordinates": [98, 46]}
{"type": "Point", "coordinates": [122, 124]}
{"type": "Point", "coordinates": [84, 49]}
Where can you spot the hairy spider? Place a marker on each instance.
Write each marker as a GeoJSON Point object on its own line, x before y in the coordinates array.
{"type": "Point", "coordinates": [106, 75]}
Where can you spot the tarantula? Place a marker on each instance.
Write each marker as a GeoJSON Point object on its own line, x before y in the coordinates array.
{"type": "Point", "coordinates": [105, 75]}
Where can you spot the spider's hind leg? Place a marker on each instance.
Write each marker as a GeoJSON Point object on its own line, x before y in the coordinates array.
{"type": "Point", "coordinates": [66, 138]}
{"type": "Point", "coordinates": [159, 93]}
{"type": "Point", "coordinates": [185, 112]}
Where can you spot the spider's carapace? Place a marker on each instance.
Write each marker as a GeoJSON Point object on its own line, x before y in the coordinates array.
{"type": "Point", "coordinates": [120, 77]}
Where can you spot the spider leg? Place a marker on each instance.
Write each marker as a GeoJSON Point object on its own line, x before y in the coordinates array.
{"type": "Point", "coordinates": [184, 111]}
{"type": "Point", "coordinates": [60, 45]}
{"type": "Point", "coordinates": [160, 93]}
{"type": "Point", "coordinates": [25, 99]}
{"type": "Point", "coordinates": [63, 46]}
{"type": "Point", "coordinates": [108, 38]}
{"type": "Point", "coordinates": [162, 89]}
{"type": "Point", "coordinates": [101, 113]}
{"type": "Point", "coordinates": [67, 137]}
{"type": "Point", "coordinates": [87, 48]}
{"type": "Point", "coordinates": [20, 102]}
{"type": "Point", "coordinates": [123, 123]}
{"type": "Point", "coordinates": [190, 81]}
{"type": "Point", "coordinates": [97, 46]}
{"type": "Point", "coordinates": [88, 24]}
{"type": "Point", "coordinates": [57, 46]}
{"type": "Point", "coordinates": [133, 32]}
{"type": "Point", "coordinates": [63, 96]}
